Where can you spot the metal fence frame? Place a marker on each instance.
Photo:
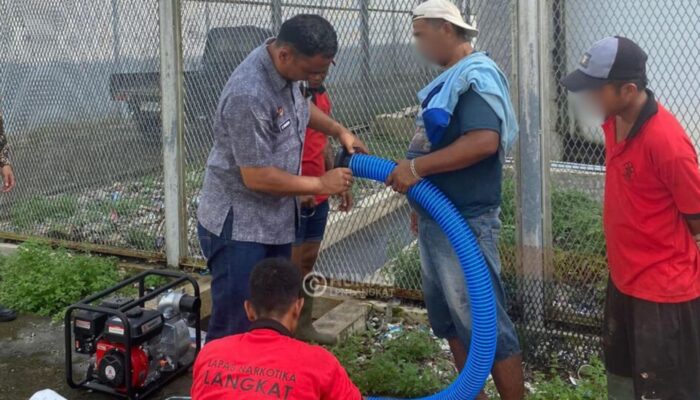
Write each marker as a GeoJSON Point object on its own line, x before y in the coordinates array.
{"type": "Point", "coordinates": [534, 227]}
{"type": "Point", "coordinates": [537, 53]}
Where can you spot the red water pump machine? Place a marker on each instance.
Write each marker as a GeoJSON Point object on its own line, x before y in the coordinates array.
{"type": "Point", "coordinates": [130, 340]}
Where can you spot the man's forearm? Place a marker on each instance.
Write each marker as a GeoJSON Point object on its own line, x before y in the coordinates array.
{"type": "Point", "coordinates": [328, 157]}
{"type": "Point", "coordinates": [464, 152]}
{"type": "Point", "coordinates": [277, 182]}
{"type": "Point", "coordinates": [321, 122]}
{"type": "Point", "coordinates": [4, 148]}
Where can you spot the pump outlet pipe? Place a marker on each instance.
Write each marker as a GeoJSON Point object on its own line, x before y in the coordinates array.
{"type": "Point", "coordinates": [482, 346]}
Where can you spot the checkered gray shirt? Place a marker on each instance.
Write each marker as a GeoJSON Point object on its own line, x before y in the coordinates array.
{"type": "Point", "coordinates": [260, 121]}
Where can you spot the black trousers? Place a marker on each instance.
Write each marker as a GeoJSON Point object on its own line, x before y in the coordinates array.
{"type": "Point", "coordinates": [655, 344]}
{"type": "Point", "coordinates": [230, 263]}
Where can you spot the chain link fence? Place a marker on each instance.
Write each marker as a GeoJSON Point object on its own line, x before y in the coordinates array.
{"type": "Point", "coordinates": [372, 87]}
{"type": "Point", "coordinates": [86, 152]}
{"type": "Point", "coordinates": [577, 274]}
{"type": "Point", "coordinates": [80, 96]}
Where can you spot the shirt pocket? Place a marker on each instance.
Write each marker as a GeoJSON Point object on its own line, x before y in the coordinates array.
{"type": "Point", "coordinates": [285, 136]}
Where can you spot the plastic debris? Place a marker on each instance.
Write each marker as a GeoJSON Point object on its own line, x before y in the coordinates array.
{"type": "Point", "coordinates": [47, 394]}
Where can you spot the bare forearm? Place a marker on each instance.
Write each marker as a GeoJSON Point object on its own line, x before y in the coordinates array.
{"type": "Point", "coordinates": [319, 121]}
{"type": "Point", "coordinates": [277, 182]}
{"type": "Point", "coordinates": [328, 157]}
{"type": "Point", "coordinates": [464, 152]}
{"type": "Point", "coordinates": [4, 148]}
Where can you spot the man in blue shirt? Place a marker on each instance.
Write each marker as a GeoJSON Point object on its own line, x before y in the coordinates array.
{"type": "Point", "coordinates": [465, 163]}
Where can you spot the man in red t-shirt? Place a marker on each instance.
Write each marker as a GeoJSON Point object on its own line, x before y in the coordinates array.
{"type": "Point", "coordinates": [316, 161]}
{"type": "Point", "coordinates": [651, 333]}
{"type": "Point", "coordinates": [266, 362]}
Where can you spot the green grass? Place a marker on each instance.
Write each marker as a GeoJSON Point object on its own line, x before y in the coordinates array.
{"type": "Point", "coordinates": [578, 241]}
{"type": "Point", "coordinates": [591, 384]}
{"type": "Point", "coordinates": [125, 207]}
{"type": "Point", "coordinates": [404, 267]}
{"type": "Point", "coordinates": [37, 209]}
{"type": "Point", "coordinates": [577, 220]}
{"type": "Point", "coordinates": [141, 239]}
{"type": "Point", "coordinates": [194, 178]}
{"type": "Point", "coordinates": [66, 210]}
{"type": "Point", "coordinates": [405, 366]}
{"type": "Point", "coordinates": [42, 280]}
{"type": "Point", "coordinates": [413, 364]}
{"type": "Point", "coordinates": [577, 235]}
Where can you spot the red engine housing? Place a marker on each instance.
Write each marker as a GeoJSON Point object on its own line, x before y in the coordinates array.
{"type": "Point", "coordinates": [110, 364]}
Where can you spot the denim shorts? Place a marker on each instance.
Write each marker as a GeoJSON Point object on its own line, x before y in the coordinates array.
{"type": "Point", "coordinates": [444, 288]}
{"type": "Point", "coordinates": [312, 224]}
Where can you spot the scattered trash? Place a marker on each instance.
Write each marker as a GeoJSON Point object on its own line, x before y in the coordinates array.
{"type": "Point", "coordinates": [390, 305]}
{"type": "Point", "coordinates": [116, 196]}
{"type": "Point", "coordinates": [393, 330]}
{"type": "Point", "coordinates": [114, 216]}
{"type": "Point", "coordinates": [47, 394]}
{"type": "Point", "coordinates": [530, 388]}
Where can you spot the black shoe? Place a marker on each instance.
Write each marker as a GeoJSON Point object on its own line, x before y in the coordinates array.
{"type": "Point", "coordinates": [6, 314]}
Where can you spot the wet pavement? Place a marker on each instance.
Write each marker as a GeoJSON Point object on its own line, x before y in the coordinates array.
{"type": "Point", "coordinates": [32, 359]}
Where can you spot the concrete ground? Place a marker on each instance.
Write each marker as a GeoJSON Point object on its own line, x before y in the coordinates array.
{"type": "Point", "coordinates": [32, 359]}
{"type": "Point", "coordinates": [32, 351]}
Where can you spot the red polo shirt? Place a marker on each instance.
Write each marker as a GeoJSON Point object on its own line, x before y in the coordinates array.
{"type": "Point", "coordinates": [652, 185]}
{"type": "Point", "coordinates": [313, 162]}
{"type": "Point", "coordinates": [266, 363]}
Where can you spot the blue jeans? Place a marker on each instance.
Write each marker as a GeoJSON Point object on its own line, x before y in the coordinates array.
{"type": "Point", "coordinates": [230, 263]}
{"type": "Point", "coordinates": [312, 224]}
{"type": "Point", "coordinates": [444, 288]}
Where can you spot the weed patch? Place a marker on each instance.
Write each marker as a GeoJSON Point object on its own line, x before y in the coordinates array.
{"type": "Point", "coordinates": [42, 280]}
{"type": "Point", "coordinates": [409, 365]}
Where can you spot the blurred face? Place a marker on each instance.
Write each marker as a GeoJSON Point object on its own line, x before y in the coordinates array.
{"type": "Point", "coordinates": [614, 99]}
{"type": "Point", "coordinates": [594, 106]}
{"type": "Point", "coordinates": [297, 67]}
{"type": "Point", "coordinates": [316, 80]}
{"type": "Point", "coordinates": [433, 41]}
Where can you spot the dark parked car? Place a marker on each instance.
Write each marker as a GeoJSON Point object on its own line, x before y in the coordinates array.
{"type": "Point", "coordinates": [225, 48]}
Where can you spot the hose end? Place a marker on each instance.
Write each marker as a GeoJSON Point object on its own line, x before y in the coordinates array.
{"type": "Point", "coordinates": [342, 159]}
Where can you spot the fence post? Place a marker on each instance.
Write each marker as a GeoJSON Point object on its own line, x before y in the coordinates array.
{"type": "Point", "coordinates": [171, 76]}
{"type": "Point", "coordinates": [276, 15]}
{"type": "Point", "coordinates": [116, 39]}
{"type": "Point", "coordinates": [365, 66]}
{"type": "Point", "coordinates": [532, 165]}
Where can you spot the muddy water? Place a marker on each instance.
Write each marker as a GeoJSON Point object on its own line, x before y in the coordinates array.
{"type": "Point", "coordinates": [31, 359]}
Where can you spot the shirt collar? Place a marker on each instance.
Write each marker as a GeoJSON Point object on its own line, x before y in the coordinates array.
{"type": "Point", "coordinates": [319, 90]}
{"type": "Point", "coordinates": [649, 109]}
{"type": "Point", "coordinates": [277, 80]}
{"type": "Point", "coordinates": [269, 323]}
{"type": "Point", "coordinates": [308, 91]}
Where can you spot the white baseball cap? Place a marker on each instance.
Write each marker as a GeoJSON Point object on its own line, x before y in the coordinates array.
{"type": "Point", "coordinates": [443, 9]}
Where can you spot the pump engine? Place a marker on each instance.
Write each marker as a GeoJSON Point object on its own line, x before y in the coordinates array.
{"type": "Point", "coordinates": [132, 347]}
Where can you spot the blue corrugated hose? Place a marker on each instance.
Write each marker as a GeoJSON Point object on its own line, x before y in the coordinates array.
{"type": "Point", "coordinates": [476, 274]}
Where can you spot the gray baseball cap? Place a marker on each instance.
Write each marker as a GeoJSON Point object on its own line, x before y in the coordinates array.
{"type": "Point", "coordinates": [610, 59]}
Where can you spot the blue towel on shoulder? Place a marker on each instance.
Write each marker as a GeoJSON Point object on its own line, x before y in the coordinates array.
{"type": "Point", "coordinates": [481, 74]}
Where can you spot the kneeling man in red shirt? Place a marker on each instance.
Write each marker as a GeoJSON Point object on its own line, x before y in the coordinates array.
{"type": "Point", "coordinates": [651, 333]}
{"type": "Point", "coordinates": [267, 362]}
